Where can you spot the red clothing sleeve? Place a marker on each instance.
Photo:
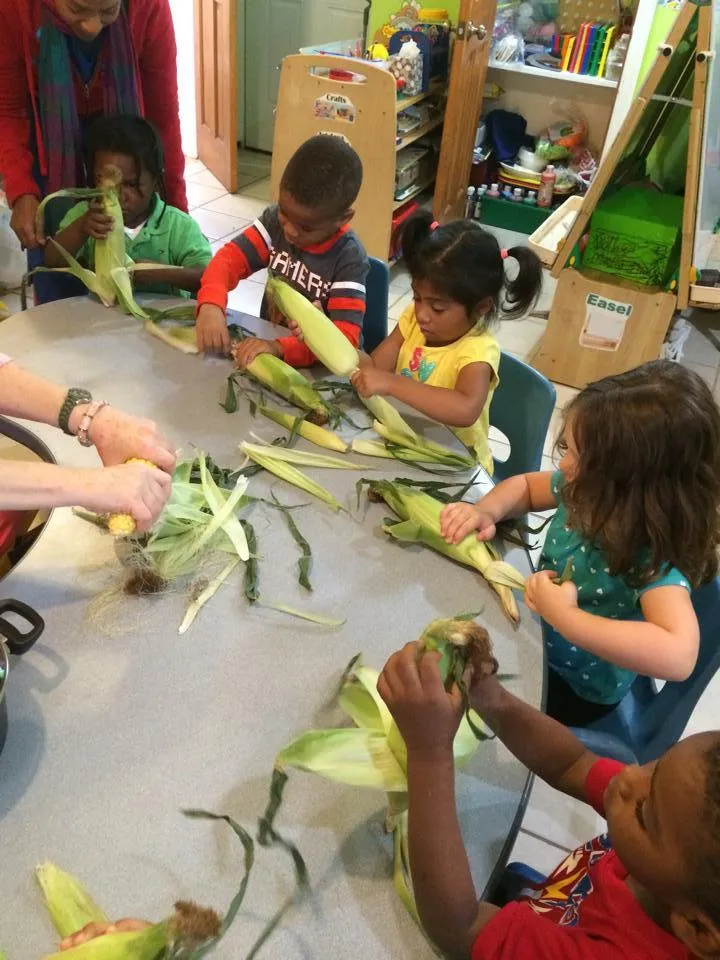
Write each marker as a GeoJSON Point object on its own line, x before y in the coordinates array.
{"type": "Point", "coordinates": [16, 160]}
{"type": "Point", "coordinates": [230, 265]}
{"type": "Point", "coordinates": [298, 354]}
{"type": "Point", "coordinates": [157, 61]}
{"type": "Point", "coordinates": [598, 780]}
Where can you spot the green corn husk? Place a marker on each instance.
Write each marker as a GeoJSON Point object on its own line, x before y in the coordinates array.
{"type": "Point", "coordinates": [289, 383]}
{"type": "Point", "coordinates": [420, 523]}
{"type": "Point", "coordinates": [332, 348]}
{"type": "Point", "coordinates": [267, 458]}
{"type": "Point", "coordinates": [304, 458]}
{"type": "Point", "coordinates": [71, 907]}
{"type": "Point", "coordinates": [320, 436]}
{"type": "Point", "coordinates": [189, 934]}
{"type": "Point", "coordinates": [372, 754]}
{"type": "Point", "coordinates": [110, 281]}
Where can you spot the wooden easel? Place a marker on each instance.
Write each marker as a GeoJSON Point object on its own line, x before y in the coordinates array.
{"type": "Point", "coordinates": [561, 355]}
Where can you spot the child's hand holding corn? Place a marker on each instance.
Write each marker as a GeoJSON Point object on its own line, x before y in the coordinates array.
{"type": "Point", "coordinates": [96, 223]}
{"type": "Point", "coordinates": [550, 600]}
{"type": "Point", "coordinates": [211, 330]}
{"type": "Point", "coordinates": [460, 519]}
{"type": "Point", "coordinates": [245, 352]}
{"type": "Point", "coordinates": [94, 930]}
{"type": "Point", "coordinates": [369, 381]}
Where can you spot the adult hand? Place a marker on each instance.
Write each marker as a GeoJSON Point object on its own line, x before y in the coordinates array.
{"type": "Point", "coordinates": [548, 599]}
{"type": "Point", "coordinates": [96, 222]}
{"type": "Point", "coordinates": [457, 520]}
{"type": "Point", "coordinates": [245, 351]}
{"type": "Point", "coordinates": [94, 930]}
{"type": "Point", "coordinates": [371, 382]}
{"type": "Point", "coordinates": [427, 715]}
{"type": "Point", "coordinates": [24, 222]}
{"type": "Point", "coordinates": [211, 330]}
{"type": "Point", "coordinates": [118, 437]}
{"type": "Point", "coordinates": [133, 488]}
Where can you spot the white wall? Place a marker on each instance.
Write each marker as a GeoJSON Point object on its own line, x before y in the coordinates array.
{"type": "Point", "coordinates": [183, 18]}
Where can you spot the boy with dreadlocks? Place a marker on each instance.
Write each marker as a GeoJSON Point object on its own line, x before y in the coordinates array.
{"type": "Point", "coordinates": [305, 239]}
{"type": "Point", "coordinates": [647, 890]}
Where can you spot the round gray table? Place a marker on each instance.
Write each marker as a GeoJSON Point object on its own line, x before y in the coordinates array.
{"type": "Point", "coordinates": [110, 736]}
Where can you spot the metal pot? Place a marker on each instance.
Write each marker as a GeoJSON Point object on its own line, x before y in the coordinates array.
{"type": "Point", "coordinates": [13, 640]}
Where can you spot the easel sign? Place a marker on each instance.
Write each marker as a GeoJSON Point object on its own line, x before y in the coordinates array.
{"type": "Point", "coordinates": [605, 322]}
{"type": "Point", "coordinates": [583, 342]}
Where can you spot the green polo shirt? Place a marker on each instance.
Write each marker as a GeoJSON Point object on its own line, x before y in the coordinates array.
{"type": "Point", "coordinates": [168, 236]}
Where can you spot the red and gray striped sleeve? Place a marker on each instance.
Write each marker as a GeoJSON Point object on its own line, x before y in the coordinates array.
{"type": "Point", "coordinates": [346, 297]}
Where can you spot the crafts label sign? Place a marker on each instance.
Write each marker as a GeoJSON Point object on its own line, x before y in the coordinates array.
{"type": "Point", "coordinates": [334, 106]}
{"type": "Point", "coordinates": [605, 322]}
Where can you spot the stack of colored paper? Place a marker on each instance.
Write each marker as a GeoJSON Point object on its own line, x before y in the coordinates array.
{"type": "Point", "coordinates": [587, 51]}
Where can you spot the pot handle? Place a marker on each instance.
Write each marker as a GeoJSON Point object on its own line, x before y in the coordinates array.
{"type": "Point", "coordinates": [16, 641]}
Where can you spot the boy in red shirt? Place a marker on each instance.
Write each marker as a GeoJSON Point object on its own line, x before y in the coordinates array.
{"type": "Point", "coordinates": [649, 890]}
{"type": "Point", "coordinates": [305, 239]}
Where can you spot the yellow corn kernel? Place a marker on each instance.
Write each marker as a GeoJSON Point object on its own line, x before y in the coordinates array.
{"type": "Point", "coordinates": [122, 524]}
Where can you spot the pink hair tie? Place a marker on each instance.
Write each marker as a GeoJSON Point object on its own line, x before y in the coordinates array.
{"type": "Point", "coordinates": [504, 254]}
{"type": "Point", "coordinates": [434, 225]}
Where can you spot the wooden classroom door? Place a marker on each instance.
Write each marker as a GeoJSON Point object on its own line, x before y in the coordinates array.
{"type": "Point", "coordinates": [473, 41]}
{"type": "Point", "coordinates": [216, 87]}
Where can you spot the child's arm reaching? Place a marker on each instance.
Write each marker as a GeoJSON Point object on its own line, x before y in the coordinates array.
{"type": "Point", "coordinates": [514, 497]}
{"type": "Point", "coordinates": [184, 278]}
{"type": "Point", "coordinates": [456, 407]}
{"type": "Point", "coordinates": [665, 645]}
{"type": "Point", "coordinates": [428, 717]}
{"type": "Point", "coordinates": [92, 223]}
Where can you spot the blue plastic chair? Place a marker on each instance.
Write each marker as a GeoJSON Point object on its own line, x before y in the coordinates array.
{"type": "Point", "coordinates": [516, 878]}
{"type": "Point", "coordinates": [376, 307]}
{"type": "Point", "coordinates": [521, 409]}
{"type": "Point", "coordinates": [648, 722]}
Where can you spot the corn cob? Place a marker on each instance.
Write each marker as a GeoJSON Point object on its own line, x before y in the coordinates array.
{"type": "Point", "coordinates": [309, 431]}
{"type": "Point", "coordinates": [420, 522]}
{"type": "Point", "coordinates": [123, 524]}
{"type": "Point", "coordinates": [289, 383]}
{"type": "Point", "coordinates": [332, 348]}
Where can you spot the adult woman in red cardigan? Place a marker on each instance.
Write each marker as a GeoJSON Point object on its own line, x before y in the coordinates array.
{"type": "Point", "coordinates": [63, 63]}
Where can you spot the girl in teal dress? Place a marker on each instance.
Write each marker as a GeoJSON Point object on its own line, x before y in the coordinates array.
{"type": "Point", "coordinates": [636, 528]}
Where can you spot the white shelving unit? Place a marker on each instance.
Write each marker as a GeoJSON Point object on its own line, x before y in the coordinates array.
{"type": "Point", "coordinates": [562, 75]}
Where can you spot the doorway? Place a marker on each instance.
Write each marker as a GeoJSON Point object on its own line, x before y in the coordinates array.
{"type": "Point", "coordinates": [270, 30]}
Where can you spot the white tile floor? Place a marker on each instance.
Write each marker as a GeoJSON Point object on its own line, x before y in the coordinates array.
{"type": "Point", "coordinates": [553, 824]}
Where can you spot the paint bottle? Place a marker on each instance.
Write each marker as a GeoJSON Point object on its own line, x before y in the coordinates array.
{"type": "Point", "coordinates": [547, 187]}
{"type": "Point", "coordinates": [517, 195]}
{"type": "Point", "coordinates": [494, 191]}
{"type": "Point", "coordinates": [531, 199]}
{"type": "Point", "coordinates": [470, 203]}
{"type": "Point", "coordinates": [507, 193]}
{"type": "Point", "coordinates": [479, 197]}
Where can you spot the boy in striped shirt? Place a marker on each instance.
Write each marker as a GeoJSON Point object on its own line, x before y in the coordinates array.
{"type": "Point", "coordinates": [305, 239]}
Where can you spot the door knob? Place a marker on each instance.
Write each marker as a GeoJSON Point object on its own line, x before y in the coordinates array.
{"type": "Point", "coordinates": [466, 30]}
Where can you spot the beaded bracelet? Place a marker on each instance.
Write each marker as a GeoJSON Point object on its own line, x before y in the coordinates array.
{"type": "Point", "coordinates": [83, 433]}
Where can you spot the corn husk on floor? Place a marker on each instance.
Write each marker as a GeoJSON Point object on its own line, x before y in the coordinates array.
{"type": "Point", "coordinates": [419, 522]}
{"type": "Point", "coordinates": [372, 754]}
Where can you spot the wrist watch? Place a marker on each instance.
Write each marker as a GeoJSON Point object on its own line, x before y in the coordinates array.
{"type": "Point", "coordinates": [75, 396]}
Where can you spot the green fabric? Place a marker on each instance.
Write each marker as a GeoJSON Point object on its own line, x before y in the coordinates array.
{"type": "Point", "coordinates": [597, 593]}
{"type": "Point", "coordinates": [169, 236]}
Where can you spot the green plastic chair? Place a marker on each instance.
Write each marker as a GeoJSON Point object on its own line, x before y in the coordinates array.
{"type": "Point", "coordinates": [521, 410]}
